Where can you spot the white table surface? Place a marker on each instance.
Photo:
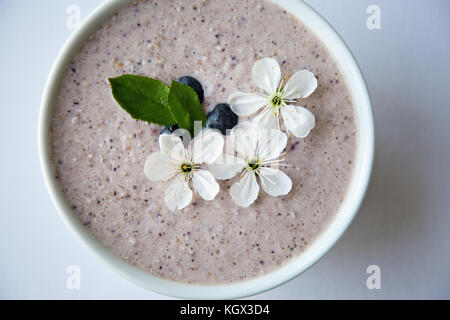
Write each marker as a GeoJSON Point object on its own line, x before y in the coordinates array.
{"type": "Point", "coordinates": [403, 225]}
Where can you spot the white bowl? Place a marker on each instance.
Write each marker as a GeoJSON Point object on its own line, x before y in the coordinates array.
{"type": "Point", "coordinates": [347, 211]}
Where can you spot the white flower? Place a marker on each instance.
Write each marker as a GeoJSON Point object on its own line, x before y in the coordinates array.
{"type": "Point", "coordinates": [266, 75]}
{"type": "Point", "coordinates": [257, 151]}
{"type": "Point", "coordinates": [180, 164]}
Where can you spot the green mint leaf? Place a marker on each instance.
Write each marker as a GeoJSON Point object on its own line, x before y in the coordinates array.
{"type": "Point", "coordinates": [183, 97]}
{"type": "Point", "coordinates": [143, 98]}
{"type": "Point", "coordinates": [177, 103]}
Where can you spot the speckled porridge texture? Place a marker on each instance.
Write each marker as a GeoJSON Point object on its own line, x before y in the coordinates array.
{"type": "Point", "coordinates": [99, 151]}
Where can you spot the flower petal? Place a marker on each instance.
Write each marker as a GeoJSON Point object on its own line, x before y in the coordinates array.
{"type": "Point", "coordinates": [298, 120]}
{"type": "Point", "coordinates": [271, 143]}
{"type": "Point", "coordinates": [226, 167]}
{"type": "Point", "coordinates": [266, 120]}
{"type": "Point", "coordinates": [266, 74]}
{"type": "Point", "coordinates": [268, 171]}
{"type": "Point", "coordinates": [178, 194]}
{"type": "Point", "coordinates": [301, 85]}
{"type": "Point", "coordinates": [158, 167]}
{"type": "Point", "coordinates": [245, 192]}
{"type": "Point", "coordinates": [205, 184]}
{"type": "Point", "coordinates": [245, 104]}
{"type": "Point", "coordinates": [207, 147]}
{"type": "Point", "coordinates": [277, 184]}
{"type": "Point", "coordinates": [244, 139]}
{"type": "Point", "coordinates": [172, 147]}
{"type": "Point", "coordinates": [184, 135]}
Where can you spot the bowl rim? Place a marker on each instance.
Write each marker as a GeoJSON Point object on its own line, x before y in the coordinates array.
{"type": "Point", "coordinates": [316, 250]}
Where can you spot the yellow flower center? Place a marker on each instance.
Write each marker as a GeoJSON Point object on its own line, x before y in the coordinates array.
{"type": "Point", "coordinates": [187, 168]}
{"type": "Point", "coordinates": [254, 165]}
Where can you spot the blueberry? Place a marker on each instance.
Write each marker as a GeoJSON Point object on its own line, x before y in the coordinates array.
{"type": "Point", "coordinates": [221, 118]}
{"type": "Point", "coordinates": [194, 84]}
{"type": "Point", "coordinates": [170, 129]}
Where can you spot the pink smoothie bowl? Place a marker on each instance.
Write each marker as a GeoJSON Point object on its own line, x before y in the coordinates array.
{"type": "Point", "coordinates": [296, 266]}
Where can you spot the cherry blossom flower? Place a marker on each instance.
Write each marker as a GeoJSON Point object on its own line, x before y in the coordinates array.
{"type": "Point", "coordinates": [258, 151]}
{"type": "Point", "coordinates": [276, 99]}
{"type": "Point", "coordinates": [181, 165]}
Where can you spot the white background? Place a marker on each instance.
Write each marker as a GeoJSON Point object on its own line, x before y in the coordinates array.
{"type": "Point", "coordinates": [403, 225]}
